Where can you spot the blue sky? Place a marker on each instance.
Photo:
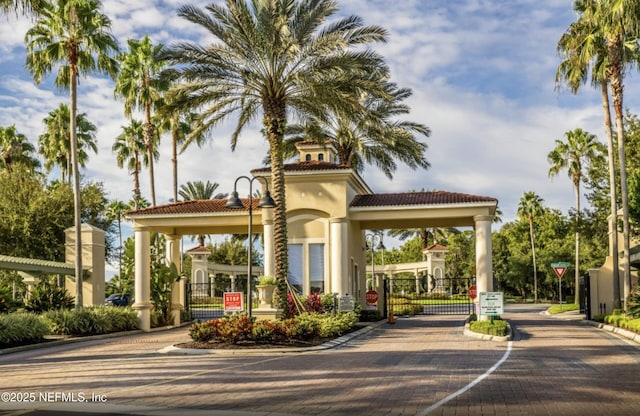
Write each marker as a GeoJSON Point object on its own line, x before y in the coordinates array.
{"type": "Point", "coordinates": [482, 73]}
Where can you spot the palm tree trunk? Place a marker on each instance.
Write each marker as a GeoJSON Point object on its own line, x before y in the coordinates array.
{"type": "Point", "coordinates": [76, 189]}
{"type": "Point", "coordinates": [577, 259]}
{"type": "Point", "coordinates": [275, 123]}
{"type": "Point", "coordinates": [535, 270]}
{"type": "Point", "coordinates": [148, 138]}
{"type": "Point", "coordinates": [136, 182]}
{"type": "Point", "coordinates": [615, 78]}
{"type": "Point", "coordinates": [174, 156]}
{"type": "Point", "coordinates": [613, 226]}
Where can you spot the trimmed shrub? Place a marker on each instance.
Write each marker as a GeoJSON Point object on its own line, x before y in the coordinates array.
{"type": "Point", "coordinates": [633, 304]}
{"type": "Point", "coordinates": [498, 327]}
{"type": "Point", "coordinates": [304, 327]}
{"type": "Point", "coordinates": [372, 315]}
{"type": "Point", "coordinates": [21, 328]}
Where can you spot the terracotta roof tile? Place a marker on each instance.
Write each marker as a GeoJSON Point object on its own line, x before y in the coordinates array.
{"type": "Point", "coordinates": [199, 249]}
{"type": "Point", "coordinates": [438, 247]}
{"type": "Point", "coordinates": [417, 198]}
{"type": "Point", "coordinates": [194, 207]}
{"type": "Point", "coordinates": [307, 165]}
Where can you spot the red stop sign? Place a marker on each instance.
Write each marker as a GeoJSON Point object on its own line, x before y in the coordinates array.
{"type": "Point", "coordinates": [371, 297]}
{"type": "Point", "coordinates": [473, 292]}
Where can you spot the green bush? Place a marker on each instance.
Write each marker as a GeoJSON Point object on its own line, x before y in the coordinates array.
{"type": "Point", "coordinates": [91, 321]}
{"type": "Point", "coordinates": [370, 315]}
{"type": "Point", "coordinates": [497, 327]}
{"type": "Point", "coordinates": [633, 303]}
{"type": "Point", "coordinates": [304, 327]}
{"type": "Point", "coordinates": [21, 328]}
{"type": "Point", "coordinates": [6, 300]}
{"type": "Point", "coordinates": [47, 296]}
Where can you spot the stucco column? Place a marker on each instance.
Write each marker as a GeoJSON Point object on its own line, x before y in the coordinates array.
{"type": "Point", "coordinates": [172, 250]}
{"type": "Point", "coordinates": [484, 267]}
{"type": "Point", "coordinates": [339, 263]}
{"type": "Point", "coordinates": [269, 255]}
{"type": "Point", "coordinates": [143, 278]}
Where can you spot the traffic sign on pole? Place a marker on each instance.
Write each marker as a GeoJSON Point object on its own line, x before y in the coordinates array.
{"type": "Point", "coordinates": [560, 268]}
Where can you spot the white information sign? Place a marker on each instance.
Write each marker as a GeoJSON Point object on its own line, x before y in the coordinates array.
{"type": "Point", "coordinates": [491, 303]}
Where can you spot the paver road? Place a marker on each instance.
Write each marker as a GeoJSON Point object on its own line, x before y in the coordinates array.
{"type": "Point", "coordinates": [419, 366]}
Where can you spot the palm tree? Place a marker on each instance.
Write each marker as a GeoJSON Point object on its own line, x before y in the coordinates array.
{"type": "Point", "coordinates": [141, 85]}
{"type": "Point", "coordinates": [273, 58]}
{"type": "Point", "coordinates": [74, 35]}
{"type": "Point", "coordinates": [531, 206]}
{"type": "Point", "coordinates": [55, 143]}
{"type": "Point", "coordinates": [199, 190]}
{"type": "Point", "coordinates": [583, 47]}
{"type": "Point", "coordinates": [115, 212]}
{"type": "Point", "coordinates": [179, 125]}
{"type": "Point", "coordinates": [128, 147]}
{"type": "Point", "coordinates": [578, 151]}
{"type": "Point", "coordinates": [22, 6]}
{"type": "Point", "coordinates": [15, 148]}
{"type": "Point", "coordinates": [618, 22]}
{"type": "Point", "coordinates": [374, 137]}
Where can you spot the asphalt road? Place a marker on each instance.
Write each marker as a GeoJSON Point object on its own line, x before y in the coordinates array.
{"type": "Point", "coordinates": [418, 366]}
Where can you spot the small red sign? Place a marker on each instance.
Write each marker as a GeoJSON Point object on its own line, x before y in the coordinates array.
{"type": "Point", "coordinates": [559, 271]}
{"type": "Point", "coordinates": [371, 297]}
{"type": "Point", "coordinates": [233, 301]}
{"type": "Point", "coordinates": [473, 292]}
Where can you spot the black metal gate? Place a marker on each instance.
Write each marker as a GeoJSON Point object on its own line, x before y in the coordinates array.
{"type": "Point", "coordinates": [428, 296]}
{"type": "Point", "coordinates": [204, 301]}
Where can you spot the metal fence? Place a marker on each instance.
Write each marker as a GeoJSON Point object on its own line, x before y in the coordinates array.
{"type": "Point", "coordinates": [427, 296]}
{"type": "Point", "coordinates": [204, 301]}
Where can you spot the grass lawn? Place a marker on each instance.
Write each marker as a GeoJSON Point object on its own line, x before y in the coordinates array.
{"type": "Point", "coordinates": [563, 308]}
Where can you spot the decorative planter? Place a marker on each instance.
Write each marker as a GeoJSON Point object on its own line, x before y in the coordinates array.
{"type": "Point", "coordinates": [265, 294]}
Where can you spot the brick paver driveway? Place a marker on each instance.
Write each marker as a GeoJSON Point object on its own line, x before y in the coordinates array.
{"type": "Point", "coordinates": [419, 366]}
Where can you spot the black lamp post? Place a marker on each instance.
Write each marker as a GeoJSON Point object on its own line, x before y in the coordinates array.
{"type": "Point", "coordinates": [370, 240]}
{"type": "Point", "coordinates": [265, 202]}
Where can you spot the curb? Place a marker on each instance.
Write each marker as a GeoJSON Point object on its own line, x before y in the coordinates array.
{"type": "Point", "coordinates": [64, 339]}
{"type": "Point", "coordinates": [624, 333]}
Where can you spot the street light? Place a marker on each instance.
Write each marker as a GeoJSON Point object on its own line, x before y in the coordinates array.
{"type": "Point", "coordinates": [370, 241]}
{"type": "Point", "coordinates": [265, 202]}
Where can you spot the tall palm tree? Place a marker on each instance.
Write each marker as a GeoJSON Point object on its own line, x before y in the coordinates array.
{"type": "Point", "coordinates": [574, 154]}
{"type": "Point", "coordinates": [55, 143]}
{"type": "Point", "coordinates": [529, 207]}
{"type": "Point", "coordinates": [129, 148]}
{"type": "Point", "coordinates": [198, 190]}
{"type": "Point", "coordinates": [273, 58]}
{"type": "Point", "coordinates": [618, 22]}
{"type": "Point", "coordinates": [15, 148]}
{"type": "Point", "coordinates": [141, 86]}
{"type": "Point", "coordinates": [583, 49]}
{"type": "Point", "coordinates": [375, 137]}
{"type": "Point", "coordinates": [115, 212]}
{"type": "Point", "coordinates": [178, 124]}
{"type": "Point", "coordinates": [74, 36]}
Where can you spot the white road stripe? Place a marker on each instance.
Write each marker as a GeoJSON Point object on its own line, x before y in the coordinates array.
{"type": "Point", "coordinates": [468, 386]}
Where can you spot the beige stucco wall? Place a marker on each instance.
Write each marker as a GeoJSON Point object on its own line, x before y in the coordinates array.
{"type": "Point", "coordinates": [93, 255]}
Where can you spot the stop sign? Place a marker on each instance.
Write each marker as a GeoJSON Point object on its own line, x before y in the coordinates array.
{"type": "Point", "coordinates": [371, 297]}
{"type": "Point", "coordinates": [473, 292]}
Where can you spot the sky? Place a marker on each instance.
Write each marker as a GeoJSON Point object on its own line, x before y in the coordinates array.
{"type": "Point", "coordinates": [482, 74]}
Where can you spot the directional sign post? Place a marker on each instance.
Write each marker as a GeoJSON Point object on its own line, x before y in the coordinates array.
{"type": "Point", "coordinates": [560, 268]}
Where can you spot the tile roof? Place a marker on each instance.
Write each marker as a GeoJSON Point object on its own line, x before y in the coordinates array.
{"type": "Point", "coordinates": [195, 207]}
{"type": "Point", "coordinates": [438, 247]}
{"type": "Point", "coordinates": [307, 165]}
{"type": "Point", "coordinates": [417, 198]}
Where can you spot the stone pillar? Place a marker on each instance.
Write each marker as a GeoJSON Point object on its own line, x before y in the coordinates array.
{"type": "Point", "coordinates": [484, 267]}
{"type": "Point", "coordinates": [93, 264]}
{"type": "Point", "coordinates": [339, 263]}
{"type": "Point", "coordinates": [269, 254]}
{"type": "Point", "coordinates": [172, 250]}
{"type": "Point", "coordinates": [143, 277]}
